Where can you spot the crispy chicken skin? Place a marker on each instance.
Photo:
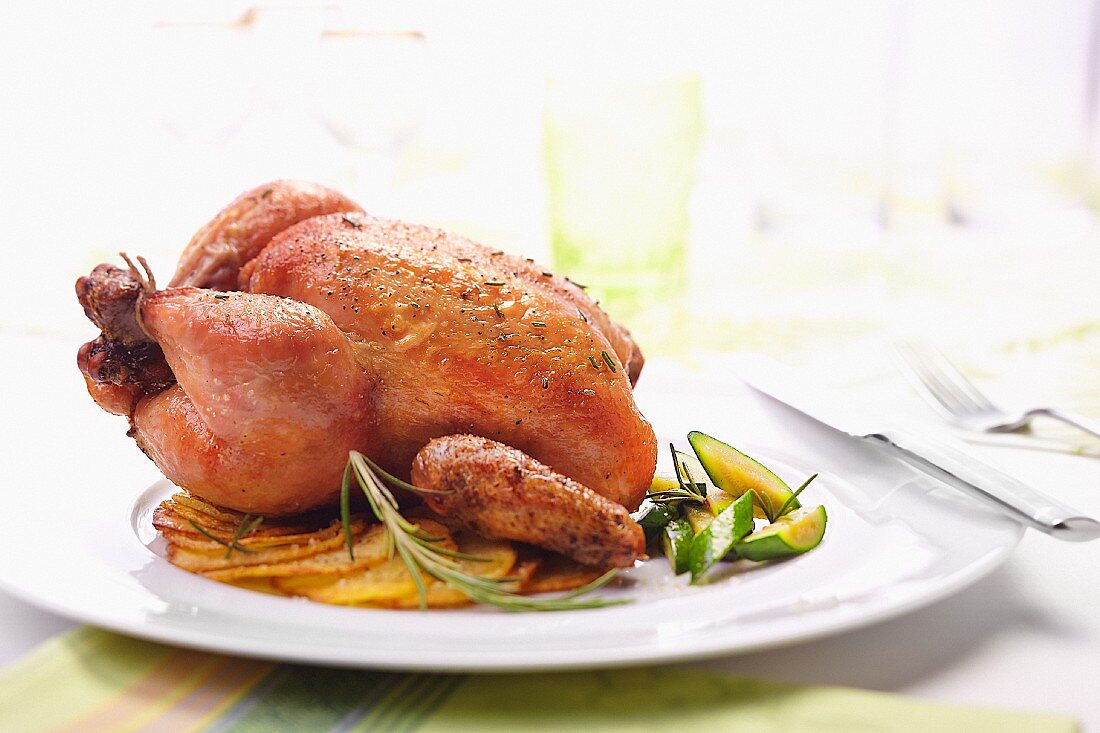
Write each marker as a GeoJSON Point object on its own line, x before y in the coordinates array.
{"type": "Point", "coordinates": [462, 339]}
{"type": "Point", "coordinates": [270, 400]}
{"type": "Point", "coordinates": [353, 332]}
{"type": "Point", "coordinates": [502, 493]}
{"type": "Point", "coordinates": [216, 253]}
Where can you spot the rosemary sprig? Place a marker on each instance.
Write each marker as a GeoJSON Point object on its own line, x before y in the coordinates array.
{"type": "Point", "coordinates": [769, 508]}
{"type": "Point", "coordinates": [687, 489]}
{"type": "Point", "coordinates": [345, 511]}
{"type": "Point", "coordinates": [610, 363]}
{"type": "Point", "coordinates": [423, 556]}
{"type": "Point", "coordinates": [247, 526]}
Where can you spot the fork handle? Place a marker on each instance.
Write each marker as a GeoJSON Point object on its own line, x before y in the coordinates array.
{"type": "Point", "coordinates": [1023, 503]}
{"type": "Point", "coordinates": [1069, 418]}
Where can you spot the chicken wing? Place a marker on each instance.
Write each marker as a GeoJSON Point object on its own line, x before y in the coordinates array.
{"type": "Point", "coordinates": [215, 255]}
{"type": "Point", "coordinates": [501, 493]}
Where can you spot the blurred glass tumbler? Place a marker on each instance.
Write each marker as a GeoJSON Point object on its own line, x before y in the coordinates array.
{"type": "Point", "coordinates": [620, 165]}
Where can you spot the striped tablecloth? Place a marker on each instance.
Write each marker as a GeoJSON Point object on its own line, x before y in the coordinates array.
{"type": "Point", "coordinates": [92, 680]}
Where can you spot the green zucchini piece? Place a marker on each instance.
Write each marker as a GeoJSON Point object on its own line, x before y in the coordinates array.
{"type": "Point", "coordinates": [736, 473]}
{"type": "Point", "coordinates": [791, 534]}
{"type": "Point", "coordinates": [662, 483]}
{"type": "Point", "coordinates": [676, 541]}
{"type": "Point", "coordinates": [718, 500]}
{"type": "Point", "coordinates": [715, 542]}
{"type": "Point", "coordinates": [698, 516]}
{"type": "Point", "coordinates": [653, 517]}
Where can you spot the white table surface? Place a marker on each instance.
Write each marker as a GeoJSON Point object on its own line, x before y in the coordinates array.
{"type": "Point", "coordinates": [1025, 637]}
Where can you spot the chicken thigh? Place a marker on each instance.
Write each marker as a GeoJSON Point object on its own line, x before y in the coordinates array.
{"type": "Point", "coordinates": [353, 332]}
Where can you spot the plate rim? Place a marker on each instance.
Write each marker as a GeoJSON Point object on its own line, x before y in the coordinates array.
{"type": "Point", "coordinates": [570, 657]}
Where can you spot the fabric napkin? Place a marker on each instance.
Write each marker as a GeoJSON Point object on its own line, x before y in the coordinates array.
{"type": "Point", "coordinates": [92, 680]}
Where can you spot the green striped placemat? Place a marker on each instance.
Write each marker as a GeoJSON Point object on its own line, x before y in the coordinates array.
{"type": "Point", "coordinates": [92, 680]}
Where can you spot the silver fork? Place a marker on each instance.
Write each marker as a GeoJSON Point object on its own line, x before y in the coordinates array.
{"type": "Point", "coordinates": [956, 398]}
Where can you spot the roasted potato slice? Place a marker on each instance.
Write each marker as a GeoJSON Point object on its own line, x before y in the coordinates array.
{"type": "Point", "coordinates": [176, 517]}
{"type": "Point", "coordinates": [498, 561]}
{"type": "Point", "coordinates": [260, 585]}
{"type": "Point", "coordinates": [211, 555]}
{"type": "Point", "coordinates": [201, 545]}
{"type": "Point", "coordinates": [558, 573]}
{"type": "Point", "coordinates": [369, 548]}
{"type": "Point", "coordinates": [390, 584]}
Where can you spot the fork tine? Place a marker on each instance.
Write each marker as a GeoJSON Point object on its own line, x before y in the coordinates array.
{"type": "Point", "coordinates": [926, 381]}
{"type": "Point", "coordinates": [963, 386]}
{"type": "Point", "coordinates": [939, 379]}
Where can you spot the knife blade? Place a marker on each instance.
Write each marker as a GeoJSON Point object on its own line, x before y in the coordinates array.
{"type": "Point", "coordinates": [939, 459]}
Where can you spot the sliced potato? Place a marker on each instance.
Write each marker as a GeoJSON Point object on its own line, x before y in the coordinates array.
{"type": "Point", "coordinates": [171, 516]}
{"type": "Point", "coordinates": [203, 546]}
{"type": "Point", "coordinates": [260, 585]}
{"type": "Point", "coordinates": [498, 560]}
{"type": "Point", "coordinates": [388, 579]}
{"type": "Point", "coordinates": [382, 583]}
{"type": "Point", "coordinates": [293, 557]}
{"type": "Point", "coordinates": [206, 559]}
{"type": "Point", "coordinates": [194, 503]}
{"type": "Point", "coordinates": [181, 517]}
{"type": "Point", "coordinates": [558, 573]}
{"type": "Point", "coordinates": [369, 548]}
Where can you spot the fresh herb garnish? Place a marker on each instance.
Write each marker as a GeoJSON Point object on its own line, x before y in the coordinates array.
{"type": "Point", "coordinates": [247, 526]}
{"type": "Point", "coordinates": [790, 502]}
{"type": "Point", "coordinates": [494, 283]}
{"type": "Point", "coordinates": [423, 556]}
{"type": "Point", "coordinates": [686, 489]}
{"type": "Point", "coordinates": [538, 324]}
{"type": "Point", "coordinates": [610, 363]}
{"type": "Point", "coordinates": [593, 362]}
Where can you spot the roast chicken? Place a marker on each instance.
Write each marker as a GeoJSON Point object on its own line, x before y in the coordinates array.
{"type": "Point", "coordinates": [298, 328]}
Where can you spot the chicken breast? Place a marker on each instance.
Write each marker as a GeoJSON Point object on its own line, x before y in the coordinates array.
{"type": "Point", "coordinates": [464, 339]}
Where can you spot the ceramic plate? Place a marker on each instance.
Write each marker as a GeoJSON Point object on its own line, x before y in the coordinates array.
{"type": "Point", "coordinates": [895, 541]}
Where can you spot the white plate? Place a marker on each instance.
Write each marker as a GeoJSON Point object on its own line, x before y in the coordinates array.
{"type": "Point", "coordinates": [895, 541]}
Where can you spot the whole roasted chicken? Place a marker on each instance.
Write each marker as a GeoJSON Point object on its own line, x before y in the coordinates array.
{"type": "Point", "coordinates": [298, 328]}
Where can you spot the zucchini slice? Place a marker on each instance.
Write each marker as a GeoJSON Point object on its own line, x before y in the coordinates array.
{"type": "Point", "coordinates": [791, 534]}
{"type": "Point", "coordinates": [735, 473]}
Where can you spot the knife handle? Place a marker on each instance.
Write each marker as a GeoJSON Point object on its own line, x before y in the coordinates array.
{"type": "Point", "coordinates": [1017, 499]}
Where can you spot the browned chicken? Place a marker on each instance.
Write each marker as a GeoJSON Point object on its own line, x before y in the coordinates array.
{"type": "Point", "coordinates": [386, 336]}
{"type": "Point", "coordinates": [502, 493]}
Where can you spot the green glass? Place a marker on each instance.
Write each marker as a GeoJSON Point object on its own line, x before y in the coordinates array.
{"type": "Point", "coordinates": [620, 165]}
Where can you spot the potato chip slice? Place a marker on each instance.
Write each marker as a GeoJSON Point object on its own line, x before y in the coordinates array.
{"type": "Point", "coordinates": [558, 573]}
{"type": "Point", "coordinates": [390, 583]}
{"type": "Point", "coordinates": [293, 522]}
{"type": "Point", "coordinates": [171, 516]}
{"type": "Point", "coordinates": [369, 547]}
{"type": "Point", "coordinates": [498, 560]}
{"type": "Point", "coordinates": [260, 585]}
{"type": "Point", "coordinates": [171, 513]}
{"type": "Point", "coordinates": [202, 545]}
{"type": "Point", "coordinates": [194, 503]}
{"type": "Point", "coordinates": [211, 556]}
{"type": "Point", "coordinates": [382, 583]}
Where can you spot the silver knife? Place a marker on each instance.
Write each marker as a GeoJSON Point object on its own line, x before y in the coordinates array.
{"type": "Point", "coordinates": [938, 459]}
